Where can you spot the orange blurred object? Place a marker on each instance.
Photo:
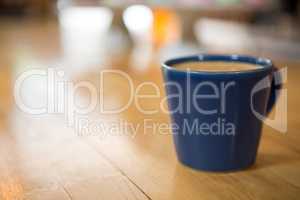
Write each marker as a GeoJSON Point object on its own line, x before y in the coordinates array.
{"type": "Point", "coordinates": [166, 27]}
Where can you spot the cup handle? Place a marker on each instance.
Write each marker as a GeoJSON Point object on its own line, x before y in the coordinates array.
{"type": "Point", "coordinates": [276, 86]}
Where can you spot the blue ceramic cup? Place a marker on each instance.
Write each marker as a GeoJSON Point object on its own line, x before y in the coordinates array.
{"type": "Point", "coordinates": [215, 115]}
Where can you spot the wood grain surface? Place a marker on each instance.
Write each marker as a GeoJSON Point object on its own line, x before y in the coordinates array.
{"type": "Point", "coordinates": [41, 157]}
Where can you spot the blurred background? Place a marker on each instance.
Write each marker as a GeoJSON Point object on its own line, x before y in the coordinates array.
{"type": "Point", "coordinates": [83, 37]}
{"type": "Point", "coordinates": [139, 33]}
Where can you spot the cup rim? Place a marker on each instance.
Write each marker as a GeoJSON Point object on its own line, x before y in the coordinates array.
{"type": "Point", "coordinates": [266, 64]}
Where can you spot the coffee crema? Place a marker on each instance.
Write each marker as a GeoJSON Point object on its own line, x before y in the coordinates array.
{"type": "Point", "coordinates": [215, 66]}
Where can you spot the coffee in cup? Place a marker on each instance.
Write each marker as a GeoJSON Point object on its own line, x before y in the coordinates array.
{"type": "Point", "coordinates": [215, 66]}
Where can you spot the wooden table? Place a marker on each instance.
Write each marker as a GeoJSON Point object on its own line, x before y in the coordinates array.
{"type": "Point", "coordinates": [41, 157]}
